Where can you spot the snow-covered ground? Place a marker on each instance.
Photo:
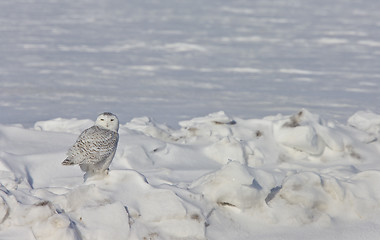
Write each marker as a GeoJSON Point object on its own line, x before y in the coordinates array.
{"type": "Point", "coordinates": [239, 119]}
{"type": "Point", "coordinates": [217, 177]}
{"type": "Point", "coordinates": [174, 60]}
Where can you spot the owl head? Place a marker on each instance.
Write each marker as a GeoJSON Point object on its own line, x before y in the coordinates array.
{"type": "Point", "coordinates": [108, 120]}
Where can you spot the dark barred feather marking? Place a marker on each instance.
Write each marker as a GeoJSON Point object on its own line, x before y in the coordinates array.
{"type": "Point", "coordinates": [67, 162]}
{"type": "Point", "coordinates": [94, 145]}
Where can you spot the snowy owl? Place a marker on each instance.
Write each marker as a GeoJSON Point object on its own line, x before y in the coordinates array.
{"type": "Point", "coordinates": [95, 146]}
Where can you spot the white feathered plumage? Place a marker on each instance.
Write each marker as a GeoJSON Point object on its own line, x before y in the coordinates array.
{"type": "Point", "coordinates": [95, 146]}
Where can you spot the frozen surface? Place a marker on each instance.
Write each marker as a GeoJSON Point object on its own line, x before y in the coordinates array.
{"type": "Point", "coordinates": [240, 119]}
{"type": "Point", "coordinates": [217, 177]}
{"type": "Point", "coordinates": [174, 60]}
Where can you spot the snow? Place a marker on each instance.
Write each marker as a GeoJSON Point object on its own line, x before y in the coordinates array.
{"type": "Point", "coordinates": [239, 119]}
{"type": "Point", "coordinates": [217, 176]}
{"type": "Point", "coordinates": [163, 59]}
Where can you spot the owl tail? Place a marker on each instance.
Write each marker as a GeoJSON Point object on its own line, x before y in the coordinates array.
{"type": "Point", "coordinates": [67, 162]}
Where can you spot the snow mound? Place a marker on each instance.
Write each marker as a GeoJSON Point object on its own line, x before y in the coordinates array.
{"type": "Point", "coordinates": [64, 125]}
{"type": "Point", "coordinates": [366, 121]}
{"type": "Point", "coordinates": [232, 185]}
{"type": "Point", "coordinates": [215, 176]}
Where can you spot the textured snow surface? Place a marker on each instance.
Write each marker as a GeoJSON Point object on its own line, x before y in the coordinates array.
{"type": "Point", "coordinates": [217, 177]}
{"type": "Point", "coordinates": [174, 60]}
{"type": "Point", "coordinates": [294, 155]}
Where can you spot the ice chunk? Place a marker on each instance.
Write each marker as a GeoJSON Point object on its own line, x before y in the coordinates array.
{"type": "Point", "coordinates": [366, 121]}
{"type": "Point", "coordinates": [64, 125]}
{"type": "Point", "coordinates": [232, 185]}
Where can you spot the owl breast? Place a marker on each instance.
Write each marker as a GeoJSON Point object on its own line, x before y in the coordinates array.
{"type": "Point", "coordinates": [94, 145]}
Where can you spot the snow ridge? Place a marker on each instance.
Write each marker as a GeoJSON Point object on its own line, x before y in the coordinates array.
{"type": "Point", "coordinates": [217, 177]}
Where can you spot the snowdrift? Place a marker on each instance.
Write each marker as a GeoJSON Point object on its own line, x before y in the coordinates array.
{"type": "Point", "coordinates": [217, 177]}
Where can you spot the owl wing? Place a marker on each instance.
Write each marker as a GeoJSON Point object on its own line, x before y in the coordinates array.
{"type": "Point", "coordinates": [93, 145]}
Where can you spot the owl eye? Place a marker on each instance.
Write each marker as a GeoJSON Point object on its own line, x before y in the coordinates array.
{"type": "Point", "coordinates": [102, 119]}
{"type": "Point", "coordinates": [112, 119]}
